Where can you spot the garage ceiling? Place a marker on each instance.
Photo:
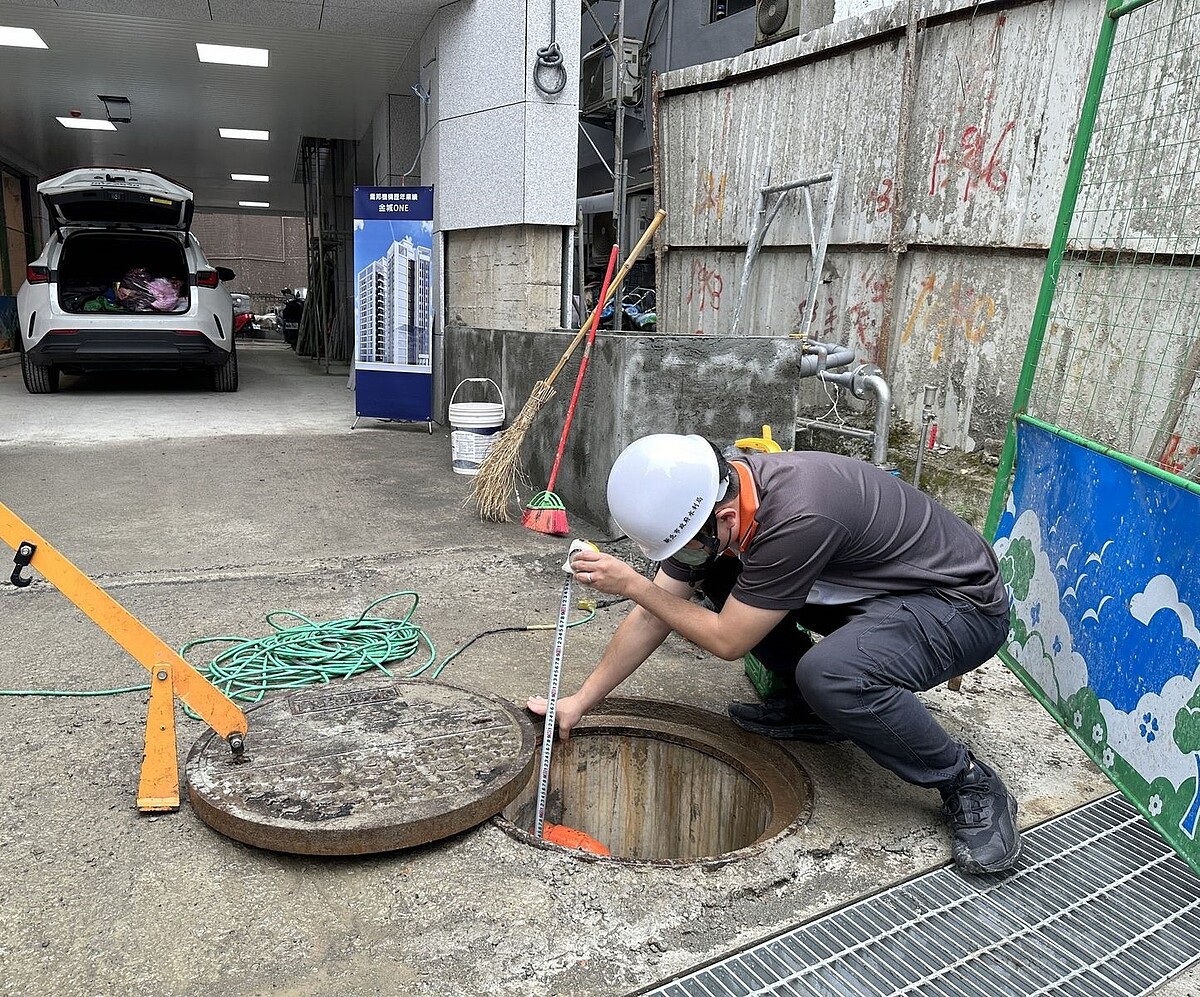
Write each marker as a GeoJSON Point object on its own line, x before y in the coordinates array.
{"type": "Point", "coordinates": [331, 65]}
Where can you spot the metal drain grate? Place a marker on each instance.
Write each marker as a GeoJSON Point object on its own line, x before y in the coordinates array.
{"type": "Point", "coordinates": [1099, 904]}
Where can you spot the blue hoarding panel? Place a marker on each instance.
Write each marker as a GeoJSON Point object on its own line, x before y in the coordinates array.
{"type": "Point", "coordinates": [389, 394]}
{"type": "Point", "coordinates": [1099, 560]}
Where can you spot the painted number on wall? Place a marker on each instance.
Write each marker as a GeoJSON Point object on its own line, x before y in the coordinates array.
{"type": "Point", "coordinates": [1179, 457]}
{"type": "Point", "coordinates": [706, 286]}
{"type": "Point", "coordinates": [950, 307]}
{"type": "Point", "coordinates": [977, 155]}
{"type": "Point", "coordinates": [864, 316]}
{"type": "Point", "coordinates": [880, 200]}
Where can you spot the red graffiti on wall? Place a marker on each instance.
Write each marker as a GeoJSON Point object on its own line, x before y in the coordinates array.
{"type": "Point", "coordinates": [1178, 458]}
{"type": "Point", "coordinates": [706, 286]}
{"type": "Point", "coordinates": [831, 317]}
{"type": "Point", "coordinates": [973, 145]}
{"type": "Point", "coordinates": [879, 287]}
{"type": "Point", "coordinates": [880, 200]}
{"type": "Point", "coordinates": [807, 326]}
{"type": "Point", "coordinates": [861, 321]}
{"type": "Point", "coordinates": [864, 319]}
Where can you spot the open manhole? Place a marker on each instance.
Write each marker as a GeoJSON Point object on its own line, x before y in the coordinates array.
{"type": "Point", "coordinates": [666, 784]}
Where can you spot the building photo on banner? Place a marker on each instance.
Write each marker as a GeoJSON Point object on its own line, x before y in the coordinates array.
{"type": "Point", "coordinates": [393, 303]}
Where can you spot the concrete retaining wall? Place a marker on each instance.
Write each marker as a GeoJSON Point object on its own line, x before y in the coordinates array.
{"type": "Point", "coordinates": [949, 189]}
{"type": "Point", "coordinates": [634, 385]}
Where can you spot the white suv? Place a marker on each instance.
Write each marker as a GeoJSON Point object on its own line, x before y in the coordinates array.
{"type": "Point", "coordinates": [122, 283]}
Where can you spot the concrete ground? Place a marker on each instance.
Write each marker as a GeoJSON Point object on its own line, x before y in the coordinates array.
{"type": "Point", "coordinates": [202, 512]}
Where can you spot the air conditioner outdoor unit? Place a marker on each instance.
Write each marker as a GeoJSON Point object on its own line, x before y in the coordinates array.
{"type": "Point", "coordinates": [598, 82]}
{"type": "Point", "coordinates": [775, 20]}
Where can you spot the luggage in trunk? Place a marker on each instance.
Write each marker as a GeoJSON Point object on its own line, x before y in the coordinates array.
{"type": "Point", "coordinates": [123, 272]}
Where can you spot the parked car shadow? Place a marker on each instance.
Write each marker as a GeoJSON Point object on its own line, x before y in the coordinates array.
{"type": "Point", "coordinates": [174, 382]}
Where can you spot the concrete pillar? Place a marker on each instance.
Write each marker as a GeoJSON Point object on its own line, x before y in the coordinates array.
{"type": "Point", "coordinates": [502, 155]}
{"type": "Point", "coordinates": [469, 119]}
{"type": "Point", "coordinates": [506, 277]}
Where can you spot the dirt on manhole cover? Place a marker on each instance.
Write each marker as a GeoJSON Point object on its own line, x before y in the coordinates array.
{"type": "Point", "coordinates": [368, 766]}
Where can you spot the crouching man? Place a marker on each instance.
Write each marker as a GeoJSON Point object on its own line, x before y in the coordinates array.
{"type": "Point", "coordinates": [905, 594]}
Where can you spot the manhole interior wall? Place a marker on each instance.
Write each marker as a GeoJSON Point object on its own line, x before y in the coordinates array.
{"type": "Point", "coordinates": [659, 782]}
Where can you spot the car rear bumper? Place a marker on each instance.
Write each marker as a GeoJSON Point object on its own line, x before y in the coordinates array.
{"type": "Point", "coordinates": [107, 348]}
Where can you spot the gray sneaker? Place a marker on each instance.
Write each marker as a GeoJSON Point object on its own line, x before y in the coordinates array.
{"type": "Point", "coordinates": [982, 816]}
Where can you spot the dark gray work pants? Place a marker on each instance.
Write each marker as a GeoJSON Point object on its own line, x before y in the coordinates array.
{"type": "Point", "coordinates": [875, 655]}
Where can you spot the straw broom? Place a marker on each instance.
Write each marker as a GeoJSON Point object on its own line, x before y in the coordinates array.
{"type": "Point", "coordinates": [495, 485]}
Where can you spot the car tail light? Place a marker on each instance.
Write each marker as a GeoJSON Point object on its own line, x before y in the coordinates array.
{"type": "Point", "coordinates": [188, 332]}
{"type": "Point", "coordinates": [62, 332]}
{"type": "Point", "coordinates": [207, 278]}
{"type": "Point", "coordinates": [37, 275]}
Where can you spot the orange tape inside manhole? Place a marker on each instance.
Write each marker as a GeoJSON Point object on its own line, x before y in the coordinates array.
{"type": "Point", "coordinates": [568, 837]}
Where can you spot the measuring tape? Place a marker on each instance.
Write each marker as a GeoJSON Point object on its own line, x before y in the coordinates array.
{"type": "Point", "coordinates": [560, 643]}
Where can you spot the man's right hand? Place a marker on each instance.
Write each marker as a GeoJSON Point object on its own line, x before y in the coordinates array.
{"type": "Point", "coordinates": [566, 713]}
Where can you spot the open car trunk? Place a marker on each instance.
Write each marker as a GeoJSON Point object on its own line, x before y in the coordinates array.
{"type": "Point", "coordinates": [123, 272]}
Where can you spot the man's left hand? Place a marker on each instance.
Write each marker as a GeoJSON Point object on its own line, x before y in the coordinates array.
{"type": "Point", "coordinates": [603, 572]}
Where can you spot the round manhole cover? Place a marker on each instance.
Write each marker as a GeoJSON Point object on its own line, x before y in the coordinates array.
{"type": "Point", "coordinates": [361, 768]}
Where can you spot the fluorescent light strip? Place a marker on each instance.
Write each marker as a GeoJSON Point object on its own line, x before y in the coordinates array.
{"type": "Point", "coordinates": [253, 134]}
{"type": "Point", "coordinates": [252, 177]}
{"type": "Point", "coordinates": [233, 55]}
{"type": "Point", "coordinates": [254, 204]}
{"type": "Point", "coordinates": [96, 124]}
{"type": "Point", "coordinates": [20, 37]}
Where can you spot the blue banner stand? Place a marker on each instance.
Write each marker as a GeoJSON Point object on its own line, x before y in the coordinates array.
{"type": "Point", "coordinates": [393, 304]}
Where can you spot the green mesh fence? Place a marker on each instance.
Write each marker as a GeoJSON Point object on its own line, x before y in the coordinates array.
{"type": "Point", "coordinates": [1114, 352]}
{"type": "Point", "coordinates": [1095, 531]}
{"type": "Point", "coordinates": [1121, 352]}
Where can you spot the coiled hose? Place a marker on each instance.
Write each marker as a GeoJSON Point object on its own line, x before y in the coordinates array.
{"type": "Point", "coordinates": [311, 652]}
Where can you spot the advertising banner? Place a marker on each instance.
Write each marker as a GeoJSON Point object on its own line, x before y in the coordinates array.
{"type": "Point", "coordinates": [393, 303]}
{"type": "Point", "coordinates": [1105, 588]}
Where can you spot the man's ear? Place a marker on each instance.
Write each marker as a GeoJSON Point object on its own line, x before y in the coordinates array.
{"type": "Point", "coordinates": [727, 513]}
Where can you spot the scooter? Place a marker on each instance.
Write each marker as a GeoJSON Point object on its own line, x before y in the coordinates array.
{"type": "Point", "coordinates": [244, 325]}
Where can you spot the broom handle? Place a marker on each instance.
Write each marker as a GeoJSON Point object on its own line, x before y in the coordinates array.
{"type": "Point", "coordinates": [587, 352]}
{"type": "Point", "coordinates": [594, 318]}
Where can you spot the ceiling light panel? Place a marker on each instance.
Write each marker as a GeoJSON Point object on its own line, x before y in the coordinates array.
{"type": "Point", "coordinates": [251, 177]}
{"type": "Point", "coordinates": [95, 124]}
{"type": "Point", "coordinates": [253, 134]}
{"type": "Point", "coordinates": [254, 204]}
{"type": "Point", "coordinates": [233, 55]}
{"type": "Point", "coordinates": [20, 37]}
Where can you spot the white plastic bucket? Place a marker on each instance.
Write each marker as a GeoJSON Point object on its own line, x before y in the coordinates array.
{"type": "Point", "coordinates": [473, 427]}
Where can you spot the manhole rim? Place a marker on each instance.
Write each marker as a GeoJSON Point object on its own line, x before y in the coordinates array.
{"type": "Point", "coordinates": [615, 716]}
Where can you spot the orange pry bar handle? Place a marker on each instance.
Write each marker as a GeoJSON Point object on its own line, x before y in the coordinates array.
{"type": "Point", "coordinates": [146, 647]}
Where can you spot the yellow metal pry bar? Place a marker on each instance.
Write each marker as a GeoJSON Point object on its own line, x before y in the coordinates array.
{"type": "Point", "coordinates": [170, 675]}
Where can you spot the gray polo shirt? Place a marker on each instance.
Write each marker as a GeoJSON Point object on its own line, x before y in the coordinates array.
{"type": "Point", "coordinates": [833, 529]}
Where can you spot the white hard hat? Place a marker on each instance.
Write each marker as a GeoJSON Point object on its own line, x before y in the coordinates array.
{"type": "Point", "coordinates": [661, 490]}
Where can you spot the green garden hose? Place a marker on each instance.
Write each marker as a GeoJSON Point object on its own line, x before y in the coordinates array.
{"type": "Point", "coordinates": [308, 653]}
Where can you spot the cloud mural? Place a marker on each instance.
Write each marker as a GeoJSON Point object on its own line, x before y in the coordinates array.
{"type": "Point", "coordinates": [1103, 625]}
{"type": "Point", "coordinates": [1161, 593]}
{"type": "Point", "coordinates": [1047, 651]}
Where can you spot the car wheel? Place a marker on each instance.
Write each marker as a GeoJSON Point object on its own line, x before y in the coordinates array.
{"type": "Point", "coordinates": [39, 379]}
{"type": "Point", "coordinates": [225, 377]}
